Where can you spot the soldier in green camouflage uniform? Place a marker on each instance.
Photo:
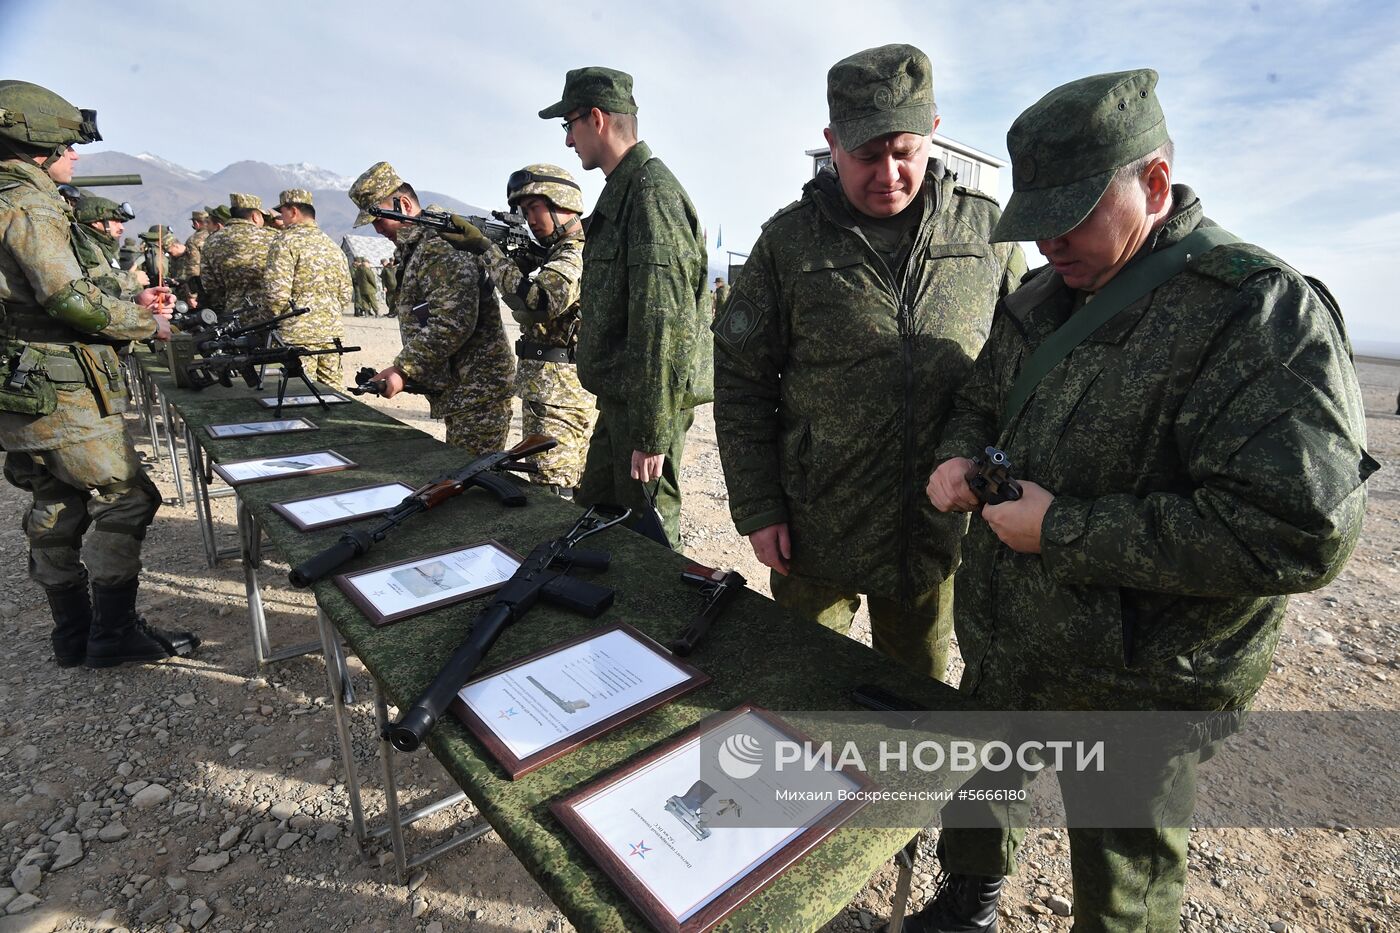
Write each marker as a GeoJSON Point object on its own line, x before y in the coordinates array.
{"type": "Point", "coordinates": [856, 316]}
{"type": "Point", "coordinates": [720, 295]}
{"type": "Point", "coordinates": [454, 344]}
{"type": "Point", "coordinates": [643, 300]}
{"type": "Point", "coordinates": [366, 287]}
{"type": "Point", "coordinates": [389, 278]}
{"type": "Point", "coordinates": [305, 269]}
{"type": "Point", "coordinates": [97, 225]}
{"type": "Point", "coordinates": [234, 263]}
{"type": "Point", "coordinates": [62, 394]}
{"type": "Point", "coordinates": [546, 308]}
{"type": "Point", "coordinates": [1195, 458]}
{"type": "Point", "coordinates": [161, 254]}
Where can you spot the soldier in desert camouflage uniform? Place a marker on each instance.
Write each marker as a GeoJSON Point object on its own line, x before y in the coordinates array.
{"type": "Point", "coordinates": [855, 318]}
{"type": "Point", "coordinates": [453, 342]}
{"type": "Point", "coordinates": [305, 269]}
{"type": "Point", "coordinates": [194, 256]}
{"type": "Point", "coordinates": [97, 225]}
{"type": "Point", "coordinates": [546, 307]}
{"type": "Point", "coordinates": [60, 408]}
{"type": "Point", "coordinates": [235, 261]}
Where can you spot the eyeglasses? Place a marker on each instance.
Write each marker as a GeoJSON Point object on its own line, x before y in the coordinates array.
{"type": "Point", "coordinates": [568, 125]}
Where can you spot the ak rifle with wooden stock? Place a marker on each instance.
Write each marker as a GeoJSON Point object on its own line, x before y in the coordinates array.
{"type": "Point", "coordinates": [483, 471]}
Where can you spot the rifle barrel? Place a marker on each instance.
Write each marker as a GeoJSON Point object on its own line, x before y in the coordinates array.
{"type": "Point", "coordinates": [104, 181]}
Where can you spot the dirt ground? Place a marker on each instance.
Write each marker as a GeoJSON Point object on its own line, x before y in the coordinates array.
{"type": "Point", "coordinates": [204, 794]}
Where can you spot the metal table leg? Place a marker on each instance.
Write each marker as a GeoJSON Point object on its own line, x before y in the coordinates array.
{"type": "Point", "coordinates": [200, 474]}
{"type": "Point", "coordinates": [168, 418]}
{"type": "Point", "coordinates": [338, 679]}
{"type": "Point", "coordinates": [250, 543]}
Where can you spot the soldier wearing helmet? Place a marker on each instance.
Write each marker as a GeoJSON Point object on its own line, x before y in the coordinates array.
{"type": "Point", "coordinates": [61, 396]}
{"type": "Point", "coordinates": [98, 224]}
{"type": "Point", "coordinates": [545, 305]}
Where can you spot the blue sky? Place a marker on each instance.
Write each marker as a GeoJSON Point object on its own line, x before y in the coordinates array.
{"type": "Point", "coordinates": [1285, 115]}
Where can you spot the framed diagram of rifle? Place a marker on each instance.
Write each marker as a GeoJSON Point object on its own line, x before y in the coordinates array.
{"type": "Point", "coordinates": [391, 592]}
{"type": "Point", "coordinates": [301, 401]}
{"type": "Point", "coordinates": [548, 703]}
{"type": "Point", "coordinates": [336, 508]}
{"type": "Point", "coordinates": [259, 428]}
{"type": "Point", "coordinates": [698, 825]}
{"type": "Point", "coordinates": [262, 469]}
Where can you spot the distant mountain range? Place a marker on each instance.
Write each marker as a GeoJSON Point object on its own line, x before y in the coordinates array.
{"type": "Point", "coordinates": [169, 192]}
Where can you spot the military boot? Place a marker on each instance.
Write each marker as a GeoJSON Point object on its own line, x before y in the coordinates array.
{"type": "Point", "coordinates": [72, 620]}
{"type": "Point", "coordinates": [120, 635]}
{"type": "Point", "coordinates": [960, 904]}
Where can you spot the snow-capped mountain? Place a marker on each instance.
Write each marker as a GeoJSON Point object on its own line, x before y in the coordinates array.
{"type": "Point", "coordinates": [177, 170]}
{"type": "Point", "coordinates": [306, 175]}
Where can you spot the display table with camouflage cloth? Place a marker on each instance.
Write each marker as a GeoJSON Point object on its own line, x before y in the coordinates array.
{"type": "Point", "coordinates": [755, 653]}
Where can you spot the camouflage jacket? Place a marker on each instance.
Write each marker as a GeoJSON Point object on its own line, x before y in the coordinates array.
{"type": "Point", "coordinates": [305, 269]}
{"type": "Point", "coordinates": [194, 253]}
{"type": "Point", "coordinates": [455, 344]}
{"type": "Point", "coordinates": [551, 296]}
{"type": "Point", "coordinates": [97, 252]}
{"type": "Point", "coordinates": [233, 268]}
{"type": "Point", "coordinates": [1205, 448]}
{"type": "Point", "coordinates": [833, 375]}
{"type": "Point", "coordinates": [643, 298]}
{"type": "Point", "coordinates": [366, 285]}
{"type": "Point", "coordinates": [389, 278]}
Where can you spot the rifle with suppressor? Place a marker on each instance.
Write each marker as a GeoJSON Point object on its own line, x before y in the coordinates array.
{"type": "Point", "coordinates": [542, 575]}
{"type": "Point", "coordinates": [718, 588]}
{"type": "Point", "coordinates": [483, 472]}
{"type": "Point", "coordinates": [990, 478]}
{"type": "Point", "coordinates": [509, 231]}
{"type": "Point", "coordinates": [366, 384]}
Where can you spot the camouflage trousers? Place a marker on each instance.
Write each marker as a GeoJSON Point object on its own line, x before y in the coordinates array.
{"type": "Point", "coordinates": [562, 466]}
{"type": "Point", "coordinates": [327, 369]}
{"type": "Point", "coordinates": [914, 636]}
{"type": "Point", "coordinates": [482, 429]}
{"type": "Point", "coordinates": [1125, 880]}
{"type": "Point", "coordinates": [97, 483]}
{"type": "Point", "coordinates": [607, 471]}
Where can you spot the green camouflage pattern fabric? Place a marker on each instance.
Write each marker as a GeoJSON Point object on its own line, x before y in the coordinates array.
{"type": "Point", "coordinates": [305, 269]}
{"type": "Point", "coordinates": [721, 297]}
{"type": "Point", "coordinates": [194, 252]}
{"type": "Point", "coordinates": [389, 278]}
{"type": "Point", "coordinates": [456, 345]}
{"type": "Point", "coordinates": [97, 253]}
{"type": "Point", "coordinates": [1206, 451]}
{"type": "Point", "coordinates": [830, 389]}
{"type": "Point", "coordinates": [554, 402]}
{"type": "Point", "coordinates": [234, 267]}
{"type": "Point", "coordinates": [366, 285]}
{"type": "Point", "coordinates": [643, 299]}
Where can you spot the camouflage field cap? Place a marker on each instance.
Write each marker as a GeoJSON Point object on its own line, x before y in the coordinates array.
{"type": "Point", "coordinates": [93, 209]}
{"type": "Point", "coordinates": [294, 196]}
{"type": "Point", "coordinates": [607, 89]}
{"type": "Point", "coordinates": [882, 90]}
{"type": "Point", "coordinates": [1067, 146]}
{"type": "Point", "coordinates": [376, 183]}
{"type": "Point", "coordinates": [199, 215]}
{"type": "Point", "coordinates": [221, 213]}
{"type": "Point", "coordinates": [245, 201]}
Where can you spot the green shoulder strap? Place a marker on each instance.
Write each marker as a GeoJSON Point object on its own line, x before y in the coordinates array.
{"type": "Point", "coordinates": [1128, 286]}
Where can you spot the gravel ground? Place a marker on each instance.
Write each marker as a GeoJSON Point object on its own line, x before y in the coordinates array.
{"type": "Point", "coordinates": [203, 794]}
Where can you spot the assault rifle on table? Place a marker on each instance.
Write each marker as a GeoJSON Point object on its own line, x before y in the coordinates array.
{"type": "Point", "coordinates": [509, 231]}
{"type": "Point", "coordinates": [990, 478]}
{"type": "Point", "coordinates": [542, 575]}
{"type": "Point", "coordinates": [366, 384]}
{"type": "Point", "coordinates": [483, 471]}
{"type": "Point", "coordinates": [231, 337]}
{"type": "Point", "coordinates": [718, 588]}
{"type": "Point", "coordinates": [220, 367]}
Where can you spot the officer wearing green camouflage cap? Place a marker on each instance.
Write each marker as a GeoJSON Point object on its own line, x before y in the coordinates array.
{"type": "Point", "coordinates": [858, 312]}
{"type": "Point", "coordinates": [643, 302]}
{"type": "Point", "coordinates": [62, 395]}
{"type": "Point", "coordinates": [1181, 411]}
{"type": "Point", "coordinates": [454, 343]}
{"type": "Point", "coordinates": [305, 269]}
{"type": "Point", "coordinates": [234, 263]}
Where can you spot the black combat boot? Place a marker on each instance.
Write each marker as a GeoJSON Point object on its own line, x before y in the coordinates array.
{"type": "Point", "coordinates": [961, 904]}
{"type": "Point", "coordinates": [72, 620]}
{"type": "Point", "coordinates": [121, 636]}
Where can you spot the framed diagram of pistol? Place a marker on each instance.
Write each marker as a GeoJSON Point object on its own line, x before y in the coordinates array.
{"type": "Point", "coordinates": [548, 703]}
{"type": "Point", "coordinates": [391, 592]}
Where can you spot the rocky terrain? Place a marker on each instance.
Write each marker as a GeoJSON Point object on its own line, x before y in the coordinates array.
{"type": "Point", "coordinates": [204, 794]}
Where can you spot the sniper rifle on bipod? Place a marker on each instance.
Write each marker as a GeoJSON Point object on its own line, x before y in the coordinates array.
{"type": "Point", "coordinates": [542, 575]}
{"type": "Point", "coordinates": [232, 337]}
{"type": "Point", "coordinates": [483, 472]}
{"type": "Point", "coordinates": [220, 368]}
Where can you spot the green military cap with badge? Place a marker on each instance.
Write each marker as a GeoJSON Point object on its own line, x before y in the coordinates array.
{"type": "Point", "coordinates": [1067, 147]}
{"type": "Point", "coordinates": [93, 209]}
{"type": "Point", "coordinates": [879, 91]}
{"type": "Point", "coordinates": [375, 184]}
{"type": "Point", "coordinates": [294, 196]}
{"type": "Point", "coordinates": [245, 201]}
{"type": "Point", "coordinates": [607, 89]}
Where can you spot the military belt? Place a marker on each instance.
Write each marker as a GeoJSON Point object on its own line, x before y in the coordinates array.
{"type": "Point", "coordinates": [529, 350]}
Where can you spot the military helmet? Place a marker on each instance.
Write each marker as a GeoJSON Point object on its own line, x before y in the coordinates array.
{"type": "Point", "coordinates": [37, 118]}
{"type": "Point", "coordinates": [547, 181]}
{"type": "Point", "coordinates": [93, 209]}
